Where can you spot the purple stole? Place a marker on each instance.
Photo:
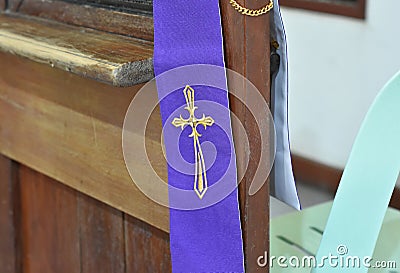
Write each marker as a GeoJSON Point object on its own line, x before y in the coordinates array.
{"type": "Point", "coordinates": [205, 232]}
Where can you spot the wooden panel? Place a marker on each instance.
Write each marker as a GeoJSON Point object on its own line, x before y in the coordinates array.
{"type": "Point", "coordinates": [247, 52]}
{"type": "Point", "coordinates": [113, 59]}
{"type": "Point", "coordinates": [258, 72]}
{"type": "Point", "coordinates": [113, 21]}
{"type": "Point", "coordinates": [101, 237]}
{"type": "Point", "coordinates": [65, 126]}
{"type": "Point", "coordinates": [50, 226]}
{"type": "Point", "coordinates": [147, 249]}
{"type": "Point", "coordinates": [2, 4]}
{"type": "Point", "coordinates": [9, 259]}
{"type": "Point", "coordinates": [66, 231]}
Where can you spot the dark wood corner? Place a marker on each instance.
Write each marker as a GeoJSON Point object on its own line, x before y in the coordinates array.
{"type": "Point", "coordinates": [325, 177]}
{"type": "Point", "coordinates": [247, 52]}
{"type": "Point", "coordinates": [355, 9]}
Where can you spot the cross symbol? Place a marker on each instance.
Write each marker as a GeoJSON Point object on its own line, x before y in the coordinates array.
{"type": "Point", "coordinates": [200, 178]}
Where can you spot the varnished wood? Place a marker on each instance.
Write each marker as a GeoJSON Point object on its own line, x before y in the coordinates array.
{"type": "Point", "coordinates": [114, 21]}
{"type": "Point", "coordinates": [258, 72]}
{"type": "Point", "coordinates": [9, 252]}
{"type": "Point", "coordinates": [66, 231]}
{"type": "Point", "coordinates": [247, 52]}
{"type": "Point", "coordinates": [102, 243]}
{"type": "Point", "coordinates": [147, 249]}
{"type": "Point", "coordinates": [112, 59]}
{"type": "Point", "coordinates": [50, 225]}
{"type": "Point", "coordinates": [70, 129]}
{"type": "Point", "coordinates": [354, 9]}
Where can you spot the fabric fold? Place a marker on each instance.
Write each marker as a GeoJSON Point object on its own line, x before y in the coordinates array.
{"type": "Point", "coordinates": [283, 185]}
{"type": "Point", "coordinates": [205, 239]}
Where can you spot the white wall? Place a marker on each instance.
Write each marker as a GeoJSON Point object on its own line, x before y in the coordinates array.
{"type": "Point", "coordinates": [337, 66]}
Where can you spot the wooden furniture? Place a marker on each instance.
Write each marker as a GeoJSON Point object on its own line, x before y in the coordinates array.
{"type": "Point", "coordinates": [69, 70]}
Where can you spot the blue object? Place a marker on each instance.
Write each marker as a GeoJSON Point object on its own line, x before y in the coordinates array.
{"type": "Point", "coordinates": [362, 198]}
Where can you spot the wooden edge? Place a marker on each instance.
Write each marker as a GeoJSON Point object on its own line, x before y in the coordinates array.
{"type": "Point", "coordinates": [316, 174]}
{"type": "Point", "coordinates": [326, 177]}
{"type": "Point", "coordinates": [113, 59]}
{"type": "Point", "coordinates": [355, 10]}
{"type": "Point", "coordinates": [133, 25]}
{"type": "Point", "coordinates": [247, 52]}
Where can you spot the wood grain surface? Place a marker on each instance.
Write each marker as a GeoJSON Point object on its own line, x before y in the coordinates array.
{"type": "Point", "coordinates": [102, 238]}
{"type": "Point", "coordinates": [113, 59]}
{"type": "Point", "coordinates": [49, 225]}
{"type": "Point", "coordinates": [9, 259]}
{"type": "Point", "coordinates": [62, 230]}
{"type": "Point", "coordinates": [109, 20]}
{"type": "Point", "coordinates": [153, 245]}
{"type": "Point", "coordinates": [247, 52]}
{"type": "Point", "coordinates": [65, 126]}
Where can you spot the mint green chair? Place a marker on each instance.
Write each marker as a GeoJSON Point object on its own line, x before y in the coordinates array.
{"type": "Point", "coordinates": [357, 231]}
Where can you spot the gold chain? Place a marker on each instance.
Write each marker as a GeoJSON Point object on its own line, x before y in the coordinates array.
{"type": "Point", "coordinates": [252, 12]}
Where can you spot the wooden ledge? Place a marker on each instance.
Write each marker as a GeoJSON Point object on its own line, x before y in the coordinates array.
{"type": "Point", "coordinates": [70, 129]}
{"type": "Point", "coordinates": [109, 58]}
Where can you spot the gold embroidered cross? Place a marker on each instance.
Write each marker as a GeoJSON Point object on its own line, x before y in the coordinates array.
{"type": "Point", "coordinates": [200, 178]}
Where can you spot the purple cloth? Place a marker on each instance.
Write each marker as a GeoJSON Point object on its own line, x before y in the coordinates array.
{"type": "Point", "coordinates": [208, 239]}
